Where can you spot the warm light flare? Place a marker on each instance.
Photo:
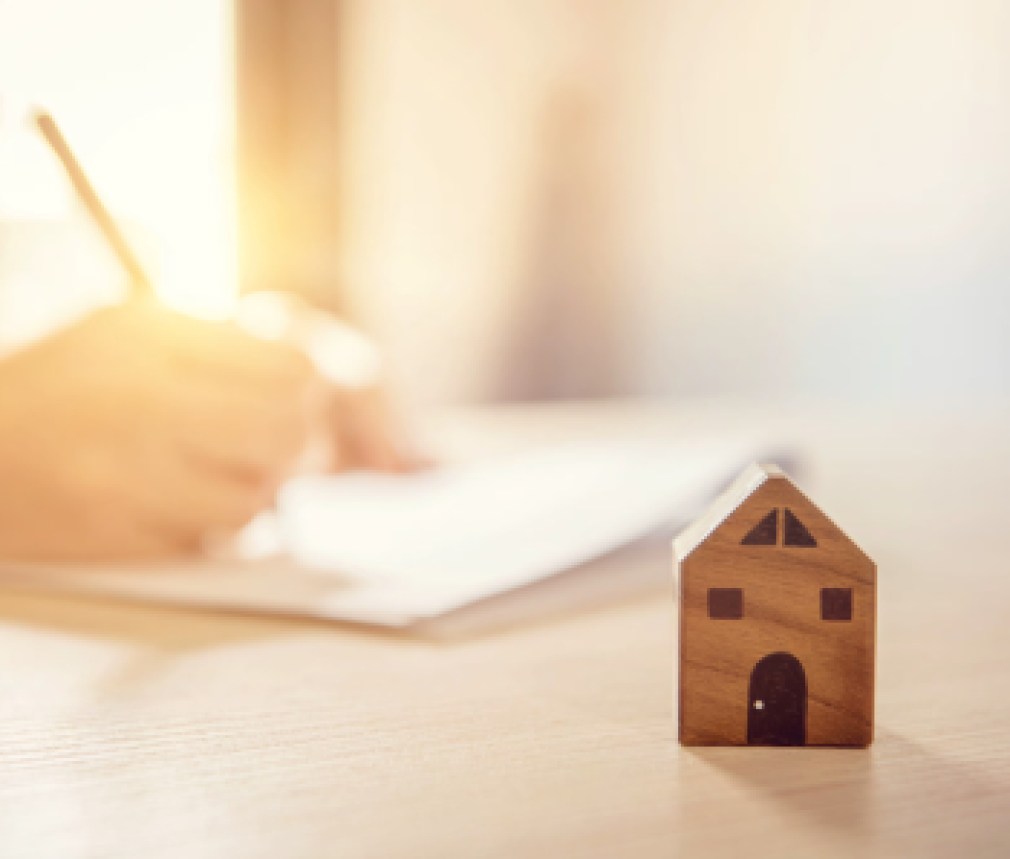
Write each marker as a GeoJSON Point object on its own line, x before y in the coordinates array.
{"type": "Point", "coordinates": [153, 128]}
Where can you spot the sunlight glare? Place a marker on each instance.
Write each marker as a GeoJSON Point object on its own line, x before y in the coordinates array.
{"type": "Point", "coordinates": [157, 142]}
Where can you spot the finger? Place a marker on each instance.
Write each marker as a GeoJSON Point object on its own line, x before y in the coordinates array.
{"type": "Point", "coordinates": [83, 541]}
{"type": "Point", "coordinates": [237, 428]}
{"type": "Point", "coordinates": [149, 542]}
{"type": "Point", "coordinates": [367, 435]}
{"type": "Point", "coordinates": [225, 349]}
{"type": "Point", "coordinates": [183, 498]}
{"type": "Point", "coordinates": [121, 534]}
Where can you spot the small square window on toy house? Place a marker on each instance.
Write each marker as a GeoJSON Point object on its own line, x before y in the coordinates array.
{"type": "Point", "coordinates": [725, 603]}
{"type": "Point", "coordinates": [836, 603]}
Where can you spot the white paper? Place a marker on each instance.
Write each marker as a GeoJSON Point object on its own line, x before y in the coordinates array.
{"type": "Point", "coordinates": [395, 550]}
{"type": "Point", "coordinates": [434, 542]}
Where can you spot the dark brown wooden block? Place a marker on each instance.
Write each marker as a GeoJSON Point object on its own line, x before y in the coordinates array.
{"type": "Point", "coordinates": [777, 622]}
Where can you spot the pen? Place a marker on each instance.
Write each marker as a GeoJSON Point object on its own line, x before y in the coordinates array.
{"type": "Point", "coordinates": [140, 282]}
{"type": "Point", "coordinates": [341, 353]}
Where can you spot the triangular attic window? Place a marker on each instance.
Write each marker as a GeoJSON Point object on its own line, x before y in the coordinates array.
{"type": "Point", "coordinates": [765, 533]}
{"type": "Point", "coordinates": [796, 532]}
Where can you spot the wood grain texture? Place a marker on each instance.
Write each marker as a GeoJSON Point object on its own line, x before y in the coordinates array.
{"type": "Point", "coordinates": [128, 731]}
{"type": "Point", "coordinates": [780, 662]}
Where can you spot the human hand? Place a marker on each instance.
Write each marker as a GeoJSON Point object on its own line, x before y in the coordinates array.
{"type": "Point", "coordinates": [367, 434]}
{"type": "Point", "coordinates": [139, 432]}
{"type": "Point", "coordinates": [360, 429]}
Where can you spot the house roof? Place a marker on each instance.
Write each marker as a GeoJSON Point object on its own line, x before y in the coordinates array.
{"type": "Point", "coordinates": [720, 509]}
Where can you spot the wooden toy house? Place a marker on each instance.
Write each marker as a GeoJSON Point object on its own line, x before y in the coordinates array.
{"type": "Point", "coordinates": [777, 618]}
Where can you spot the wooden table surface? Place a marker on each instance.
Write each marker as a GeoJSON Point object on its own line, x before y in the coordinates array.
{"type": "Point", "coordinates": [130, 731]}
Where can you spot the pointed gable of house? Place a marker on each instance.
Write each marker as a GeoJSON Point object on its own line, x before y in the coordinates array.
{"type": "Point", "coordinates": [722, 508]}
{"type": "Point", "coordinates": [777, 525]}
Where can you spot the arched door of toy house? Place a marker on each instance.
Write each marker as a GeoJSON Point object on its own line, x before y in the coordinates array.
{"type": "Point", "coordinates": [777, 702]}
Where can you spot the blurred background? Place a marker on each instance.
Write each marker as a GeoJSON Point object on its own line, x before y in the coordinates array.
{"type": "Point", "coordinates": [538, 199]}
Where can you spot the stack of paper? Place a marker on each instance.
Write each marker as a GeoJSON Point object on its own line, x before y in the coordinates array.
{"type": "Point", "coordinates": [395, 550]}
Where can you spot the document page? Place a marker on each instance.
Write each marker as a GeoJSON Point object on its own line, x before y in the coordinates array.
{"type": "Point", "coordinates": [425, 544]}
{"type": "Point", "coordinates": [397, 550]}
